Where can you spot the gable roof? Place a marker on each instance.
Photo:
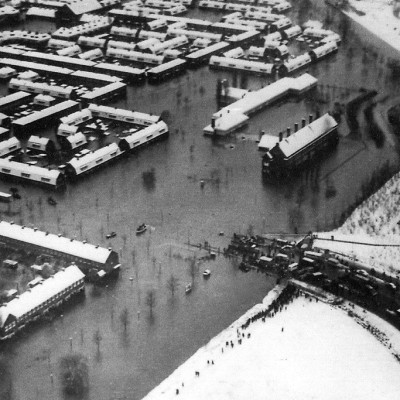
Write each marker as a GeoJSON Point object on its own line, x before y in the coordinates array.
{"type": "Point", "coordinates": [83, 6]}
{"type": "Point", "coordinates": [291, 145]}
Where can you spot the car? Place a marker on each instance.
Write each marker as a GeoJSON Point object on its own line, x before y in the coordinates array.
{"type": "Point", "coordinates": [111, 235]}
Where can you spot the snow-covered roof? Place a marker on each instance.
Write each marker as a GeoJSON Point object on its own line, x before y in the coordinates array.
{"type": "Point", "coordinates": [84, 6]}
{"type": "Point", "coordinates": [307, 135]}
{"type": "Point", "coordinates": [17, 168]}
{"type": "Point", "coordinates": [202, 52]}
{"type": "Point", "coordinates": [149, 130]}
{"type": "Point", "coordinates": [35, 66]}
{"type": "Point", "coordinates": [91, 54]}
{"type": "Point", "coordinates": [46, 112]}
{"type": "Point", "coordinates": [54, 242]}
{"type": "Point", "coordinates": [36, 296]}
{"type": "Point", "coordinates": [300, 60]}
{"type": "Point", "coordinates": [30, 86]}
{"type": "Point", "coordinates": [103, 90]}
{"type": "Point", "coordinates": [43, 98]}
{"type": "Point", "coordinates": [67, 51]}
{"type": "Point", "coordinates": [174, 42]}
{"type": "Point", "coordinates": [167, 65]}
{"type": "Point", "coordinates": [238, 63]}
{"type": "Point", "coordinates": [77, 163]}
{"type": "Point", "coordinates": [61, 59]}
{"type": "Point", "coordinates": [267, 142]}
{"type": "Point", "coordinates": [234, 53]}
{"type": "Point", "coordinates": [38, 140]}
{"type": "Point", "coordinates": [77, 117]}
{"type": "Point", "coordinates": [71, 129]}
{"type": "Point", "coordinates": [137, 116]}
{"type": "Point", "coordinates": [13, 97]}
{"type": "Point", "coordinates": [95, 76]}
{"type": "Point", "coordinates": [6, 146]}
{"type": "Point", "coordinates": [120, 68]}
{"type": "Point", "coordinates": [142, 34]}
{"type": "Point", "coordinates": [28, 75]}
{"type": "Point", "coordinates": [77, 139]}
{"type": "Point", "coordinates": [228, 122]}
{"type": "Point", "coordinates": [214, 37]}
{"type": "Point", "coordinates": [41, 12]}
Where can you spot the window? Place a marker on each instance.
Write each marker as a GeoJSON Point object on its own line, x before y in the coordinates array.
{"type": "Point", "coordinates": [113, 154]}
{"type": "Point", "coordinates": [6, 170]}
{"type": "Point", "coordinates": [84, 168]}
{"type": "Point", "coordinates": [98, 161]}
{"type": "Point", "coordinates": [36, 146]}
{"type": "Point", "coordinates": [45, 179]}
{"type": "Point", "coordinates": [136, 143]}
{"type": "Point", "coordinates": [12, 148]}
{"type": "Point", "coordinates": [24, 175]}
{"type": "Point", "coordinates": [149, 137]}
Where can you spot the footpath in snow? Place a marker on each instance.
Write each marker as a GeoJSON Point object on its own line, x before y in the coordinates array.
{"type": "Point", "coordinates": [375, 221]}
{"type": "Point", "coordinates": [308, 350]}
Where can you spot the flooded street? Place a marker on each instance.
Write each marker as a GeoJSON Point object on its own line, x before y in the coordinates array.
{"type": "Point", "coordinates": [160, 186]}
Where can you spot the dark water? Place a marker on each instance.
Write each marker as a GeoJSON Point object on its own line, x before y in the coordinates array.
{"type": "Point", "coordinates": [234, 197]}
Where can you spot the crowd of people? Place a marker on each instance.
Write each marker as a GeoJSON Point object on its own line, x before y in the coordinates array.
{"type": "Point", "coordinates": [287, 295]}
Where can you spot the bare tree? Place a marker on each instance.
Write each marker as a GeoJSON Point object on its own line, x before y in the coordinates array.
{"type": "Point", "coordinates": [97, 338]}
{"type": "Point", "coordinates": [124, 318]}
{"type": "Point", "coordinates": [192, 268]}
{"type": "Point", "coordinates": [124, 239]}
{"type": "Point", "coordinates": [151, 300]}
{"type": "Point", "coordinates": [172, 284]}
{"type": "Point", "coordinates": [6, 384]}
{"type": "Point", "coordinates": [74, 374]}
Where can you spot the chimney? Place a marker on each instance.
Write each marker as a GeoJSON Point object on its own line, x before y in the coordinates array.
{"type": "Point", "coordinates": [296, 127]}
{"type": "Point", "coordinates": [280, 136]}
{"type": "Point", "coordinates": [287, 132]}
{"type": "Point", "coordinates": [303, 122]}
{"type": "Point", "coordinates": [213, 122]}
{"type": "Point", "coordinates": [310, 118]}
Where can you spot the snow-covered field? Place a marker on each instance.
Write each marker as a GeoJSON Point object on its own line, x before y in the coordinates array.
{"type": "Point", "coordinates": [308, 351]}
{"type": "Point", "coordinates": [378, 19]}
{"type": "Point", "coordinates": [376, 220]}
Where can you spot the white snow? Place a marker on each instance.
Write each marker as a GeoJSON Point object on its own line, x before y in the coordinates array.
{"type": "Point", "coordinates": [376, 221]}
{"type": "Point", "coordinates": [378, 19]}
{"type": "Point", "coordinates": [321, 353]}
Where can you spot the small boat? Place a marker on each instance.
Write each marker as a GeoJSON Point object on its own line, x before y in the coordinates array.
{"type": "Point", "coordinates": [51, 201]}
{"type": "Point", "coordinates": [206, 273]}
{"type": "Point", "coordinates": [188, 288]}
{"type": "Point", "coordinates": [111, 235]}
{"type": "Point", "coordinates": [141, 229]}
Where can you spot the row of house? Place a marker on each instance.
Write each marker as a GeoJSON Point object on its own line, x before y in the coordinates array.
{"type": "Point", "coordinates": [39, 300]}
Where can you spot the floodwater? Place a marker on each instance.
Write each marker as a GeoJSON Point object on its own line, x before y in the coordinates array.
{"type": "Point", "coordinates": [161, 186]}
